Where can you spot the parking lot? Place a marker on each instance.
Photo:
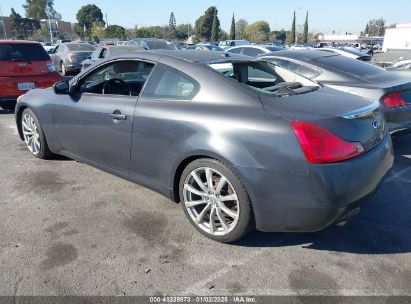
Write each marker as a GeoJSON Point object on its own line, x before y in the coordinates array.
{"type": "Point", "coordinates": [69, 229]}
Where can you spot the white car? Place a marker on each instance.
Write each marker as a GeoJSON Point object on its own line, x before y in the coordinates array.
{"type": "Point", "coordinates": [254, 50]}
{"type": "Point", "coordinates": [348, 52]}
{"type": "Point", "coordinates": [231, 43]}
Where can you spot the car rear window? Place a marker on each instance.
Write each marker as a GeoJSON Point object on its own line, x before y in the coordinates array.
{"type": "Point", "coordinates": [160, 45]}
{"type": "Point", "coordinates": [349, 65]}
{"type": "Point", "coordinates": [20, 51]}
{"type": "Point", "coordinates": [80, 47]}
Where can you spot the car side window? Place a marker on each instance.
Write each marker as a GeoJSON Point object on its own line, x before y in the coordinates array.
{"type": "Point", "coordinates": [103, 53]}
{"type": "Point", "coordinates": [169, 83]}
{"type": "Point", "coordinates": [251, 52]}
{"type": "Point", "coordinates": [96, 54]}
{"type": "Point", "coordinates": [124, 77]}
{"type": "Point", "coordinates": [296, 68]}
{"type": "Point", "coordinates": [235, 51]}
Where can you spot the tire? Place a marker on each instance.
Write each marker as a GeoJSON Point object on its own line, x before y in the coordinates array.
{"type": "Point", "coordinates": [8, 107]}
{"type": "Point", "coordinates": [33, 135]}
{"type": "Point", "coordinates": [229, 202]}
{"type": "Point", "coordinates": [63, 69]}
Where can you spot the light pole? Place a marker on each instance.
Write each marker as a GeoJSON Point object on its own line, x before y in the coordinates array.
{"type": "Point", "coordinates": [4, 24]}
{"type": "Point", "coordinates": [48, 15]}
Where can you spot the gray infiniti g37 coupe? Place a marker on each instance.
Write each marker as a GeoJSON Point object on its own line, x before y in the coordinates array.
{"type": "Point", "coordinates": [231, 138]}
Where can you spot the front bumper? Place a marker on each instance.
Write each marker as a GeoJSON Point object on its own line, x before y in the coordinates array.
{"type": "Point", "coordinates": [291, 202]}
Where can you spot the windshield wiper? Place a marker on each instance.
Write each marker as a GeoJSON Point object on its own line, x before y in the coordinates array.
{"type": "Point", "coordinates": [16, 59]}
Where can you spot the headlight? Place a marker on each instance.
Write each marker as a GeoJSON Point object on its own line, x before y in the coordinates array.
{"type": "Point", "coordinates": [51, 67]}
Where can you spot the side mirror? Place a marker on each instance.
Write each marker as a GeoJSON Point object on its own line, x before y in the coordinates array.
{"type": "Point", "coordinates": [61, 88]}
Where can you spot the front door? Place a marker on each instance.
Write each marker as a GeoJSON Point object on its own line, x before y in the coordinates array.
{"type": "Point", "coordinates": [96, 123]}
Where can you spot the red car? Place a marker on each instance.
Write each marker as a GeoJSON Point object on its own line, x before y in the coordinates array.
{"type": "Point", "coordinates": [24, 65]}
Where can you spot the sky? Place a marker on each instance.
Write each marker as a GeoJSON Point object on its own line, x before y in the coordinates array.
{"type": "Point", "coordinates": [324, 16]}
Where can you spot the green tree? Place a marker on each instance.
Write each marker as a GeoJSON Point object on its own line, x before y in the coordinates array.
{"type": "Point", "coordinates": [305, 32]}
{"type": "Point", "coordinates": [41, 9]}
{"type": "Point", "coordinates": [204, 24]}
{"type": "Point", "coordinates": [367, 30]}
{"type": "Point", "coordinates": [115, 31]}
{"type": "Point", "coordinates": [232, 29]}
{"type": "Point", "coordinates": [376, 27]}
{"type": "Point", "coordinates": [278, 35]}
{"type": "Point", "coordinates": [257, 32]}
{"type": "Point", "coordinates": [214, 29]}
{"type": "Point", "coordinates": [183, 30]}
{"type": "Point", "coordinates": [172, 22]}
{"type": "Point", "coordinates": [292, 33]}
{"type": "Point", "coordinates": [97, 30]}
{"type": "Point", "coordinates": [23, 27]}
{"type": "Point", "coordinates": [86, 16]}
{"type": "Point", "coordinates": [240, 27]}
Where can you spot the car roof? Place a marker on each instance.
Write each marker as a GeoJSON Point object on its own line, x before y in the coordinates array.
{"type": "Point", "coordinates": [303, 55]}
{"type": "Point", "coordinates": [18, 42]}
{"type": "Point", "coordinates": [186, 55]}
{"type": "Point", "coordinates": [149, 39]}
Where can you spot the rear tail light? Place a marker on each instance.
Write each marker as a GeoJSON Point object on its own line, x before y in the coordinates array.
{"type": "Point", "coordinates": [71, 57]}
{"type": "Point", "coordinates": [51, 67]}
{"type": "Point", "coordinates": [321, 146]}
{"type": "Point", "coordinates": [394, 100]}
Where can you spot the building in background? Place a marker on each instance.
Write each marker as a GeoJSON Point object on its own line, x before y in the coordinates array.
{"type": "Point", "coordinates": [59, 29]}
{"type": "Point", "coordinates": [350, 39]}
{"type": "Point", "coordinates": [397, 37]}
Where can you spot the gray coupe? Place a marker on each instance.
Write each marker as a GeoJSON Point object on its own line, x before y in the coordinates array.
{"type": "Point", "coordinates": [231, 138]}
{"type": "Point", "coordinates": [391, 90]}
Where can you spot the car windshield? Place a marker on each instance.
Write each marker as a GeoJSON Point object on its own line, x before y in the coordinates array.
{"type": "Point", "coordinates": [160, 45]}
{"type": "Point", "coordinates": [123, 49]}
{"type": "Point", "coordinates": [348, 65]}
{"type": "Point", "coordinates": [80, 47]}
{"type": "Point", "coordinates": [274, 48]}
{"type": "Point", "coordinates": [20, 51]}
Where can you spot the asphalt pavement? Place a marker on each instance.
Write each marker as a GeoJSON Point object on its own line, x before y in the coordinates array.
{"type": "Point", "coordinates": [69, 229]}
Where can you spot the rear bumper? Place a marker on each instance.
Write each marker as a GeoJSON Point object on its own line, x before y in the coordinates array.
{"type": "Point", "coordinates": [292, 202]}
{"type": "Point", "coordinates": [9, 85]}
{"type": "Point", "coordinates": [73, 67]}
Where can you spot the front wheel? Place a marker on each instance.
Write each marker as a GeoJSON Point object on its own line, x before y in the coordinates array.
{"type": "Point", "coordinates": [33, 135]}
{"type": "Point", "coordinates": [215, 200]}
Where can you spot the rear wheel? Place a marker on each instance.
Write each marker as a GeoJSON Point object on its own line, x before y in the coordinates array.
{"type": "Point", "coordinates": [33, 135]}
{"type": "Point", "coordinates": [215, 200]}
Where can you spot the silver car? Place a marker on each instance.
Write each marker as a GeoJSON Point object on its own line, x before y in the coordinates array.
{"type": "Point", "coordinates": [67, 57]}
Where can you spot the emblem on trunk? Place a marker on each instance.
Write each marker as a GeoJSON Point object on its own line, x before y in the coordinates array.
{"type": "Point", "coordinates": [375, 124]}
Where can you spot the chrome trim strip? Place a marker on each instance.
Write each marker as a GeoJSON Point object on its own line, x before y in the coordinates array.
{"type": "Point", "coordinates": [361, 112]}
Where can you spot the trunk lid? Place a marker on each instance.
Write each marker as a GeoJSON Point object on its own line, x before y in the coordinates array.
{"type": "Point", "coordinates": [23, 68]}
{"type": "Point", "coordinates": [350, 117]}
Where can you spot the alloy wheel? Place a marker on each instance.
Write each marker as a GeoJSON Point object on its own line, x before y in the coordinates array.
{"type": "Point", "coordinates": [211, 201]}
{"type": "Point", "coordinates": [31, 134]}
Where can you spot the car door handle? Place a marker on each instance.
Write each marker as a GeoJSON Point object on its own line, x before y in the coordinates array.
{"type": "Point", "coordinates": [118, 116]}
